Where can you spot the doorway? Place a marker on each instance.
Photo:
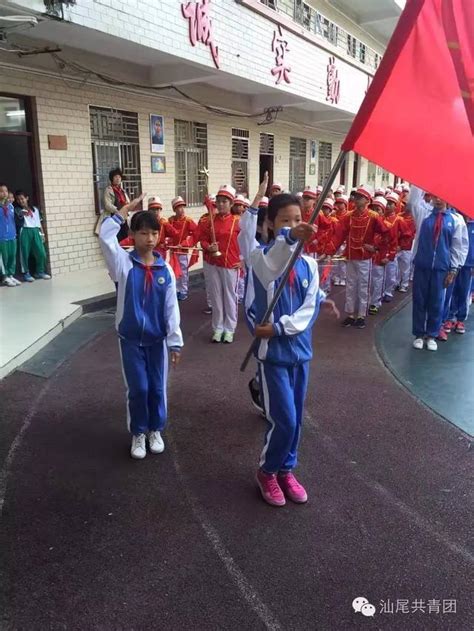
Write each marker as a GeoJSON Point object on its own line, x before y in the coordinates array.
{"type": "Point", "coordinates": [267, 150]}
{"type": "Point", "coordinates": [16, 157]}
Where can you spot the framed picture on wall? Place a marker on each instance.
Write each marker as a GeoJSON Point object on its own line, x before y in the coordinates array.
{"type": "Point", "coordinates": [312, 169]}
{"type": "Point", "coordinates": [157, 133]}
{"type": "Point", "coordinates": [313, 151]}
{"type": "Point", "coordinates": [158, 164]}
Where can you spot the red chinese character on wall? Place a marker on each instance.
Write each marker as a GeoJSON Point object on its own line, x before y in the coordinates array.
{"type": "Point", "coordinates": [280, 47]}
{"type": "Point", "coordinates": [200, 26]}
{"type": "Point", "coordinates": [333, 82]}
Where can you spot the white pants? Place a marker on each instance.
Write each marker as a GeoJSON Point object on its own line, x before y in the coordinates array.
{"type": "Point", "coordinates": [404, 264]}
{"type": "Point", "coordinates": [223, 293]}
{"type": "Point", "coordinates": [339, 271]}
{"type": "Point", "coordinates": [182, 283]}
{"type": "Point", "coordinates": [377, 285]}
{"type": "Point", "coordinates": [391, 278]}
{"type": "Point", "coordinates": [207, 282]}
{"type": "Point", "coordinates": [357, 287]}
{"type": "Point", "coordinates": [241, 286]}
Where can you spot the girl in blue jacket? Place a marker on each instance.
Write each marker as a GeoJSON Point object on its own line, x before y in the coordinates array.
{"type": "Point", "coordinates": [285, 348]}
{"type": "Point", "coordinates": [147, 322]}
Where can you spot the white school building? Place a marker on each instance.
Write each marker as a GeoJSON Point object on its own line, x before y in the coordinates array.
{"type": "Point", "coordinates": [232, 87]}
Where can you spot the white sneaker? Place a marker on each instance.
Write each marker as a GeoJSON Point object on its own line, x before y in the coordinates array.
{"type": "Point", "coordinates": [9, 282]}
{"type": "Point", "coordinates": [343, 283]}
{"type": "Point", "coordinates": [157, 446]}
{"type": "Point", "coordinates": [138, 449]}
{"type": "Point", "coordinates": [228, 337]}
{"type": "Point", "coordinates": [403, 290]}
{"type": "Point", "coordinates": [15, 280]}
{"type": "Point", "coordinates": [431, 344]}
{"type": "Point", "coordinates": [418, 343]}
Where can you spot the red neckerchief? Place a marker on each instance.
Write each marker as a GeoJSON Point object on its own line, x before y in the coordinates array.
{"type": "Point", "coordinates": [6, 209]}
{"type": "Point", "coordinates": [29, 212]}
{"type": "Point", "coordinates": [437, 226]}
{"type": "Point", "coordinates": [148, 276]}
{"type": "Point", "coordinates": [120, 196]}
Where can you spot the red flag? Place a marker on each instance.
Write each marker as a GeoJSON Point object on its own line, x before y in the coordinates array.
{"type": "Point", "coordinates": [417, 119]}
{"type": "Point", "coordinates": [174, 264]}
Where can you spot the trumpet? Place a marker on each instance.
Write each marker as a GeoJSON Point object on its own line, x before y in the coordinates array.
{"type": "Point", "coordinates": [185, 247]}
{"type": "Point", "coordinates": [207, 202]}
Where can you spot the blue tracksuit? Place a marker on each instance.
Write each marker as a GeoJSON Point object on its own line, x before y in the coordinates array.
{"type": "Point", "coordinates": [283, 360]}
{"type": "Point", "coordinates": [7, 222]}
{"type": "Point", "coordinates": [147, 322]}
{"type": "Point", "coordinates": [458, 294]}
{"type": "Point", "coordinates": [434, 258]}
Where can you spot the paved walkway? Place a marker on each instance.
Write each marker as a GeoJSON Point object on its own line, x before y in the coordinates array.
{"type": "Point", "coordinates": [32, 314]}
{"type": "Point", "coordinates": [93, 540]}
{"type": "Point", "coordinates": [443, 380]}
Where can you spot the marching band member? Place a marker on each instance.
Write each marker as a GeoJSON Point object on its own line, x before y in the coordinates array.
{"type": "Point", "coordinates": [405, 243]}
{"type": "Point", "coordinates": [380, 260]}
{"type": "Point", "coordinates": [167, 231]}
{"type": "Point", "coordinates": [324, 236]}
{"type": "Point", "coordinates": [339, 270]}
{"type": "Point", "coordinates": [224, 269]}
{"type": "Point", "coordinates": [187, 232]}
{"type": "Point", "coordinates": [275, 189]}
{"type": "Point", "coordinates": [205, 254]}
{"type": "Point", "coordinates": [358, 229]}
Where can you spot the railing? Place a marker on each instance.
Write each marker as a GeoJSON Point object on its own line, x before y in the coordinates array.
{"type": "Point", "coordinates": [316, 23]}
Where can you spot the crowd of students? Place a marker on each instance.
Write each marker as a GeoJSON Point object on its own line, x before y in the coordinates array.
{"type": "Point", "coordinates": [364, 242]}
{"type": "Point", "coordinates": [20, 232]}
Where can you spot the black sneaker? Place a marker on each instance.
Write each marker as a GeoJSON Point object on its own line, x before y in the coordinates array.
{"type": "Point", "coordinates": [373, 310]}
{"type": "Point", "coordinates": [349, 321]}
{"type": "Point", "coordinates": [255, 395]}
{"type": "Point", "coordinates": [207, 311]}
{"type": "Point", "coordinates": [360, 323]}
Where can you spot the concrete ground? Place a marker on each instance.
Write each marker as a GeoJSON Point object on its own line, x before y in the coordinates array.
{"type": "Point", "coordinates": [93, 540]}
{"type": "Point", "coordinates": [443, 380]}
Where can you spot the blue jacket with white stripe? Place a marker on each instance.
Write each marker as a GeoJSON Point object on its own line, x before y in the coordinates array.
{"type": "Point", "coordinates": [298, 306]}
{"type": "Point", "coordinates": [147, 306]}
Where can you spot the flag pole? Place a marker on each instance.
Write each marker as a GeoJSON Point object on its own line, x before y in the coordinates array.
{"type": "Point", "coordinates": [284, 279]}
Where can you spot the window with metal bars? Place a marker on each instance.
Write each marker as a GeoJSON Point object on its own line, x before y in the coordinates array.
{"type": "Point", "coordinates": [324, 161]}
{"type": "Point", "coordinates": [115, 143]}
{"type": "Point", "coordinates": [297, 164]}
{"type": "Point", "coordinates": [191, 161]}
{"type": "Point", "coordinates": [240, 160]}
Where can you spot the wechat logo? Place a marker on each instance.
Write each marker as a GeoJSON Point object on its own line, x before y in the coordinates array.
{"type": "Point", "coordinates": [362, 605]}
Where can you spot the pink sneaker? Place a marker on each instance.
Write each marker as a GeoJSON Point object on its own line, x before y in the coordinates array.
{"type": "Point", "coordinates": [460, 328]}
{"type": "Point", "coordinates": [442, 335]}
{"type": "Point", "coordinates": [448, 326]}
{"type": "Point", "coordinates": [270, 488]}
{"type": "Point", "coordinates": [293, 490]}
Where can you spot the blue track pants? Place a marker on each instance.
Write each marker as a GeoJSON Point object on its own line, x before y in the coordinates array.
{"type": "Point", "coordinates": [283, 391]}
{"type": "Point", "coordinates": [428, 301]}
{"type": "Point", "coordinates": [145, 371]}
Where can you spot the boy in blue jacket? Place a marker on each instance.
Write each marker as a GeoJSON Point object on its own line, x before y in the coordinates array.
{"type": "Point", "coordinates": [441, 250]}
{"type": "Point", "coordinates": [147, 322]}
{"type": "Point", "coordinates": [7, 239]}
